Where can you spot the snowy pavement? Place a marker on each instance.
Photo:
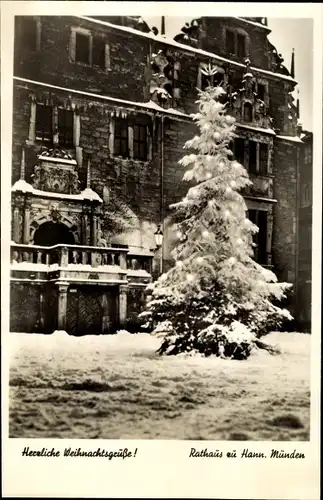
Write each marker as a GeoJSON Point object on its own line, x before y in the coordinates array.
{"type": "Point", "coordinates": [115, 386]}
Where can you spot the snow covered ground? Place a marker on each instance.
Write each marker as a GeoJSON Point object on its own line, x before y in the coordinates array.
{"type": "Point", "coordinates": [117, 387]}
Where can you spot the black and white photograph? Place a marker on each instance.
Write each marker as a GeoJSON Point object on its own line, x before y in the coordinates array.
{"type": "Point", "coordinates": [161, 225]}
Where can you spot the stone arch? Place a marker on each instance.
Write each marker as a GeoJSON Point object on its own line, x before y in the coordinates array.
{"type": "Point", "coordinates": [53, 233]}
{"type": "Point", "coordinates": [69, 221]}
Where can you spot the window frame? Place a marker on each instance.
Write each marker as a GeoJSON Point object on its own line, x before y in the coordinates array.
{"type": "Point", "coordinates": [41, 137]}
{"type": "Point", "coordinates": [233, 34]}
{"type": "Point", "coordinates": [236, 32]}
{"type": "Point", "coordinates": [19, 32]}
{"type": "Point", "coordinates": [140, 142]}
{"type": "Point", "coordinates": [239, 140]}
{"type": "Point", "coordinates": [65, 139]}
{"type": "Point", "coordinates": [241, 35]}
{"type": "Point", "coordinates": [77, 51]}
{"type": "Point", "coordinates": [106, 62]}
{"type": "Point", "coordinates": [120, 139]}
{"type": "Point", "coordinates": [54, 136]}
{"type": "Point", "coordinates": [263, 167]}
{"type": "Point", "coordinates": [249, 106]}
{"type": "Point", "coordinates": [263, 231]}
{"type": "Point", "coordinates": [253, 167]}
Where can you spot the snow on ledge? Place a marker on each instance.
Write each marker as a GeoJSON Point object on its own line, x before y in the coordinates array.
{"type": "Point", "coordinates": [87, 194]}
{"type": "Point", "coordinates": [53, 159]}
{"type": "Point", "coordinates": [258, 129]}
{"type": "Point", "coordinates": [22, 186]}
{"type": "Point", "coordinates": [289, 138]}
{"type": "Point", "coordinates": [138, 273]}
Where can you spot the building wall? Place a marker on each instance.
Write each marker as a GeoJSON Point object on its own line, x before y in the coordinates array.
{"type": "Point", "coordinates": [149, 187]}
{"type": "Point", "coordinates": [285, 234]}
{"type": "Point", "coordinates": [305, 231]}
{"type": "Point", "coordinates": [214, 39]}
{"type": "Point", "coordinates": [54, 51]}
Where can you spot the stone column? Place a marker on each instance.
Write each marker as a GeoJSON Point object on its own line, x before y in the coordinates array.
{"type": "Point", "coordinates": [64, 257]}
{"type": "Point", "coordinates": [123, 260]}
{"type": "Point", "coordinates": [269, 237]}
{"type": "Point", "coordinates": [41, 311]}
{"type": "Point", "coordinates": [16, 228]}
{"type": "Point", "coordinates": [32, 123]}
{"type": "Point", "coordinates": [94, 230]}
{"type": "Point", "coordinates": [86, 230]}
{"type": "Point", "coordinates": [122, 305]}
{"type": "Point", "coordinates": [26, 224]}
{"type": "Point", "coordinates": [62, 305]}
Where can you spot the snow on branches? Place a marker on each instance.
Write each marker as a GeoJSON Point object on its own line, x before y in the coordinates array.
{"type": "Point", "coordinates": [215, 299]}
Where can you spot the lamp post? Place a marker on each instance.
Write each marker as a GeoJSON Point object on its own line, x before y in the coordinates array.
{"type": "Point", "coordinates": [159, 236]}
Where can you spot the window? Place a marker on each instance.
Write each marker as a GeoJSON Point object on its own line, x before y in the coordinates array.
{"type": "Point", "coordinates": [65, 127]}
{"type": "Point", "coordinates": [236, 43]}
{"type": "Point", "coordinates": [44, 123]}
{"type": "Point", "coordinates": [29, 33]}
{"type": "Point", "coordinates": [241, 45]}
{"type": "Point", "coordinates": [88, 49]}
{"type": "Point", "coordinates": [263, 158]}
{"type": "Point", "coordinates": [259, 217]}
{"type": "Point", "coordinates": [247, 112]}
{"type": "Point", "coordinates": [230, 42]}
{"type": "Point", "coordinates": [239, 150]}
{"type": "Point", "coordinates": [261, 92]}
{"type": "Point", "coordinates": [121, 146]}
{"type": "Point", "coordinates": [211, 80]}
{"type": "Point", "coordinates": [52, 124]}
{"type": "Point", "coordinates": [98, 52]}
{"type": "Point", "coordinates": [140, 142]}
{"type": "Point", "coordinates": [252, 157]}
{"type": "Point", "coordinates": [82, 48]}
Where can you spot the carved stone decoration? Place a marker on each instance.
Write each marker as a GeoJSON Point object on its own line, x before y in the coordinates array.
{"type": "Point", "coordinates": [54, 211]}
{"type": "Point", "coordinates": [190, 33]}
{"type": "Point", "coordinates": [162, 77]}
{"type": "Point", "coordinates": [56, 172]}
{"type": "Point", "coordinates": [247, 95]}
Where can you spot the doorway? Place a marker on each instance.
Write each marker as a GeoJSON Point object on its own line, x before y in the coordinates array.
{"type": "Point", "coordinates": [53, 233]}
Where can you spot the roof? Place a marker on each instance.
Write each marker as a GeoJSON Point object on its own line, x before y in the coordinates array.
{"type": "Point", "coordinates": [169, 41]}
{"type": "Point", "coordinates": [254, 23]}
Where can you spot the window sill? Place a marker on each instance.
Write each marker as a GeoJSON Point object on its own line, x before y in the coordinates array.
{"type": "Point", "coordinates": [128, 158]}
{"type": "Point", "coordinates": [93, 66]}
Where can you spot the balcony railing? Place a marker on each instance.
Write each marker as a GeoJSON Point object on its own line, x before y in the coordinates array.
{"type": "Point", "coordinates": [262, 186]}
{"type": "Point", "coordinates": [64, 256]}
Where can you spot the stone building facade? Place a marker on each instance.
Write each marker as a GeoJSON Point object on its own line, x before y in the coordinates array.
{"type": "Point", "coordinates": [101, 111]}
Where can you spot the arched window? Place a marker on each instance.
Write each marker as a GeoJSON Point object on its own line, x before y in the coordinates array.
{"type": "Point", "coordinates": [247, 112]}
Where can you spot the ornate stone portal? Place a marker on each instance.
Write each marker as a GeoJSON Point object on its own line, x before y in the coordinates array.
{"type": "Point", "coordinates": [54, 196]}
{"type": "Point", "coordinates": [68, 280]}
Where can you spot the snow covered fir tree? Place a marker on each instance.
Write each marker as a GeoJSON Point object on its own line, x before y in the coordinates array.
{"type": "Point", "coordinates": [215, 299]}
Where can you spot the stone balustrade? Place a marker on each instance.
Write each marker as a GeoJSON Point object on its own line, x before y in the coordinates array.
{"type": "Point", "coordinates": [70, 256]}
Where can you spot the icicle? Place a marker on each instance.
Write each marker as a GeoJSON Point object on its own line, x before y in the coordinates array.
{"type": "Point", "coordinates": [22, 164]}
